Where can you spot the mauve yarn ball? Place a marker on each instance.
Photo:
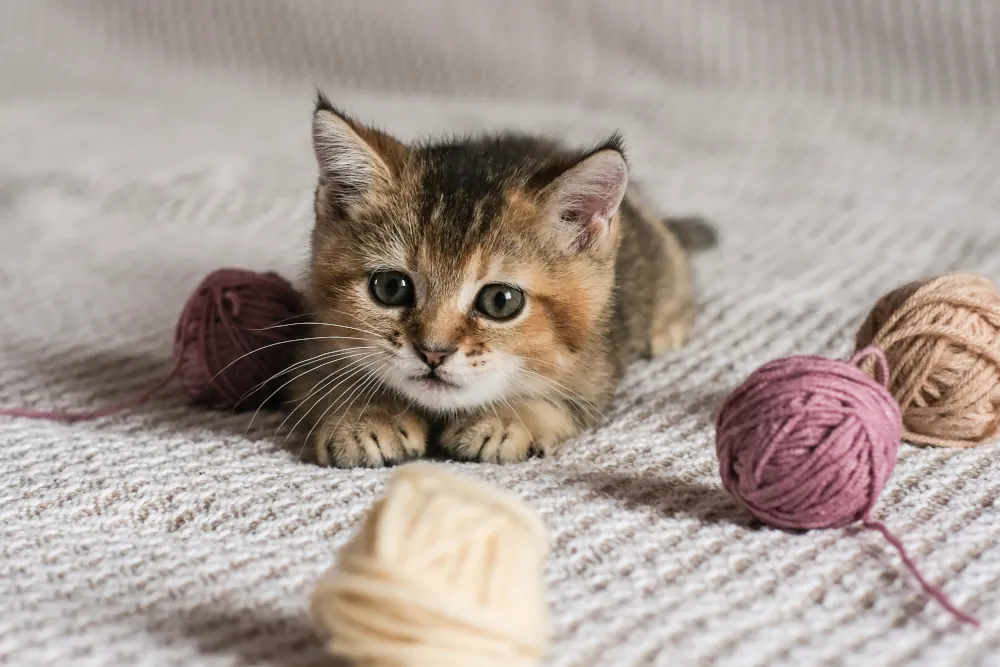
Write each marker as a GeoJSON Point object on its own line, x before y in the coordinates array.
{"type": "Point", "coordinates": [233, 341]}
{"type": "Point", "coordinates": [809, 442]}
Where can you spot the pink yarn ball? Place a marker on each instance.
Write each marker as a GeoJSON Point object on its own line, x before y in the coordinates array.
{"type": "Point", "coordinates": [809, 442]}
{"type": "Point", "coordinates": [232, 344]}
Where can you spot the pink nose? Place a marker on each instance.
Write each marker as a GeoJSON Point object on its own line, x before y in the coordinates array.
{"type": "Point", "coordinates": [434, 358]}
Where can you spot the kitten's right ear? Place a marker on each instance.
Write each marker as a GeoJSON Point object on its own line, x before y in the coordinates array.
{"type": "Point", "coordinates": [353, 159]}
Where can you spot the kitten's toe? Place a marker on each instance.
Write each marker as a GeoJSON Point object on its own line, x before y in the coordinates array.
{"type": "Point", "coordinates": [373, 440]}
{"type": "Point", "coordinates": [378, 443]}
{"type": "Point", "coordinates": [411, 431]}
{"type": "Point", "coordinates": [463, 439]}
{"type": "Point", "coordinates": [513, 443]}
{"type": "Point", "coordinates": [490, 439]}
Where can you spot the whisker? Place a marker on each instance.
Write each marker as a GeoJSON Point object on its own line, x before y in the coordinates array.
{"type": "Point", "coordinates": [582, 402]}
{"type": "Point", "coordinates": [358, 369]}
{"type": "Point", "coordinates": [587, 381]}
{"type": "Point", "coordinates": [322, 417]}
{"type": "Point", "coordinates": [319, 324]}
{"type": "Point", "coordinates": [590, 411]}
{"type": "Point", "coordinates": [337, 355]}
{"type": "Point", "coordinates": [564, 388]}
{"type": "Point", "coordinates": [354, 366]}
{"type": "Point", "coordinates": [323, 355]}
{"type": "Point", "coordinates": [280, 342]}
{"type": "Point", "coordinates": [373, 388]}
{"type": "Point", "coordinates": [315, 314]}
{"type": "Point", "coordinates": [358, 384]}
{"type": "Point", "coordinates": [329, 324]}
{"type": "Point", "coordinates": [351, 315]}
{"type": "Point", "coordinates": [333, 376]}
{"type": "Point", "coordinates": [511, 408]}
{"type": "Point", "coordinates": [304, 362]}
{"type": "Point", "coordinates": [409, 406]}
{"type": "Point", "coordinates": [576, 418]}
{"type": "Point", "coordinates": [288, 319]}
{"type": "Point", "coordinates": [493, 407]}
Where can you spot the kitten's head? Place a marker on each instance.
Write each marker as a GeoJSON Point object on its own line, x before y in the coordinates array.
{"type": "Point", "coordinates": [466, 272]}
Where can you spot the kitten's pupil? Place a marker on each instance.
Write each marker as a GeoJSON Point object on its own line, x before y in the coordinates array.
{"type": "Point", "coordinates": [500, 302]}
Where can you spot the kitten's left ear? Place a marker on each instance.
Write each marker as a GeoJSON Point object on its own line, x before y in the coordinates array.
{"type": "Point", "coordinates": [583, 200]}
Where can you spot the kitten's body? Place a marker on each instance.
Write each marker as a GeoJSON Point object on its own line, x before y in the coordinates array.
{"type": "Point", "coordinates": [603, 282]}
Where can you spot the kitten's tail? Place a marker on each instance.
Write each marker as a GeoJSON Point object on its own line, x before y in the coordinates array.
{"type": "Point", "coordinates": [693, 232]}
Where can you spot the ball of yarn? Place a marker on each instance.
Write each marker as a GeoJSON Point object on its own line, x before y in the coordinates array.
{"type": "Point", "coordinates": [444, 572]}
{"type": "Point", "coordinates": [808, 442]}
{"type": "Point", "coordinates": [231, 341]}
{"type": "Point", "coordinates": [941, 337]}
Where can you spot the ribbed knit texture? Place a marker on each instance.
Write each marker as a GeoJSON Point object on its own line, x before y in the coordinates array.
{"type": "Point", "coordinates": [842, 148]}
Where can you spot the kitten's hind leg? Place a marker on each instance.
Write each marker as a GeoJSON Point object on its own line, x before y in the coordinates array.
{"type": "Point", "coordinates": [671, 329]}
{"type": "Point", "coordinates": [674, 302]}
{"type": "Point", "coordinates": [664, 245]}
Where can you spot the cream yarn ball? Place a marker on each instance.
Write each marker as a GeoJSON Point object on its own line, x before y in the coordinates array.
{"type": "Point", "coordinates": [444, 572]}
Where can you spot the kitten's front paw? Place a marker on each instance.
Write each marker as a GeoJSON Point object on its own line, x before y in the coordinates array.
{"type": "Point", "coordinates": [374, 438]}
{"type": "Point", "coordinates": [490, 437]}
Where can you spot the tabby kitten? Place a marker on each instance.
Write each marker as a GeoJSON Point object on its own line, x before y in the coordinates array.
{"type": "Point", "coordinates": [493, 287]}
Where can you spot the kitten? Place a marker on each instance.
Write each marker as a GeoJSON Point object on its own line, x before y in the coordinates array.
{"type": "Point", "coordinates": [496, 287]}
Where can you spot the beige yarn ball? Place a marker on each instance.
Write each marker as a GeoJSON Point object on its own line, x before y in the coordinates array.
{"type": "Point", "coordinates": [444, 572]}
{"type": "Point", "coordinates": [941, 337]}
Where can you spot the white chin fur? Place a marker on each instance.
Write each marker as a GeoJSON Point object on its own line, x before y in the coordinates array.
{"type": "Point", "coordinates": [464, 393]}
{"type": "Point", "coordinates": [447, 398]}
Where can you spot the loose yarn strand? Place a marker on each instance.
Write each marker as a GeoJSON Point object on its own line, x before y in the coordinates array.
{"type": "Point", "coordinates": [70, 416]}
{"type": "Point", "coordinates": [218, 350]}
{"type": "Point", "coordinates": [929, 588]}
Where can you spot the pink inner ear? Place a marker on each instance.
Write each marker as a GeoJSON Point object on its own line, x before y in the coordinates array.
{"type": "Point", "coordinates": [585, 206]}
{"type": "Point", "coordinates": [586, 218]}
{"type": "Point", "coordinates": [587, 196]}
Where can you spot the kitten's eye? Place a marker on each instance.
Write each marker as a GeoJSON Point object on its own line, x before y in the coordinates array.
{"type": "Point", "coordinates": [500, 302]}
{"type": "Point", "coordinates": [391, 288]}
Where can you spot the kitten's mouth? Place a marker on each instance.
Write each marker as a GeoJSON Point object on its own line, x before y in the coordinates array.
{"type": "Point", "coordinates": [432, 381]}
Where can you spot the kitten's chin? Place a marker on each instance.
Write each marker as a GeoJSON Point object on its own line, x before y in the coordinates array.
{"type": "Point", "coordinates": [447, 397]}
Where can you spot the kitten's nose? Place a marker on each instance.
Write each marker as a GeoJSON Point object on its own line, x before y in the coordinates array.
{"type": "Point", "coordinates": [433, 357]}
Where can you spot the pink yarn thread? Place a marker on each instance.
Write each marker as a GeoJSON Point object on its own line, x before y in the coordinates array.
{"type": "Point", "coordinates": [229, 345]}
{"type": "Point", "coordinates": [809, 442]}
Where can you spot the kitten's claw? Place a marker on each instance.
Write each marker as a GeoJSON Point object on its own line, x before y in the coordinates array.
{"type": "Point", "coordinates": [490, 438]}
{"type": "Point", "coordinates": [375, 438]}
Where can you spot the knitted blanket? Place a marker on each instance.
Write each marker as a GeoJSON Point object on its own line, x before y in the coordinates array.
{"type": "Point", "coordinates": [841, 148]}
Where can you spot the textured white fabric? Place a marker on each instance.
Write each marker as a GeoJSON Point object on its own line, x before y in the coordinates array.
{"type": "Point", "coordinates": [841, 147]}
